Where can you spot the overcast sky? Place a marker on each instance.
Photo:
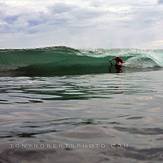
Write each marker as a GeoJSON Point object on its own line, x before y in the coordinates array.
{"type": "Point", "coordinates": [81, 23]}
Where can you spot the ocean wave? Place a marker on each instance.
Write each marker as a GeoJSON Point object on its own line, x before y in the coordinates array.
{"type": "Point", "coordinates": [62, 60]}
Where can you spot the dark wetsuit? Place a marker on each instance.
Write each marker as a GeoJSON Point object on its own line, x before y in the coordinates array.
{"type": "Point", "coordinates": [119, 64]}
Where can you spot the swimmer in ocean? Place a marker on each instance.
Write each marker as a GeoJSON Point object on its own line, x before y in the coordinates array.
{"type": "Point", "coordinates": [118, 64]}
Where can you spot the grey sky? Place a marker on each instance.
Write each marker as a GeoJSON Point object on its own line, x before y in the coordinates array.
{"type": "Point", "coordinates": [81, 23]}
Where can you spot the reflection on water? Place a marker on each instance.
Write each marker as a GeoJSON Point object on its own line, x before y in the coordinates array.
{"type": "Point", "coordinates": [129, 103]}
{"type": "Point", "coordinates": [41, 89]}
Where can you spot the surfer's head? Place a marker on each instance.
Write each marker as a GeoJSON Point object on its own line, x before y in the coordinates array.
{"type": "Point", "coordinates": [118, 59]}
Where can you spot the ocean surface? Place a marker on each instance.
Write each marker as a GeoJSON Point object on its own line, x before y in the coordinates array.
{"type": "Point", "coordinates": [75, 96]}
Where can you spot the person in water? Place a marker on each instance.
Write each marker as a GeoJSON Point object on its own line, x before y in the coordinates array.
{"type": "Point", "coordinates": [118, 64]}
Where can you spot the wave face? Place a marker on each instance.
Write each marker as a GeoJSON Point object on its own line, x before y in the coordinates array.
{"type": "Point", "coordinates": [64, 60]}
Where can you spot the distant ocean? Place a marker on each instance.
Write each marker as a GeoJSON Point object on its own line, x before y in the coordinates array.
{"type": "Point", "coordinates": [74, 96]}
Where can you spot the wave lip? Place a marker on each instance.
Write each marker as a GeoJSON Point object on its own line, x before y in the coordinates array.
{"type": "Point", "coordinates": [62, 60]}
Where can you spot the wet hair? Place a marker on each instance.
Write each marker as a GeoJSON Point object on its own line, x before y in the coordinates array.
{"type": "Point", "coordinates": [117, 58]}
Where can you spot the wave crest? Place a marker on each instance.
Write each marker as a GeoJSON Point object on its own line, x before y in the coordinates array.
{"type": "Point", "coordinates": [62, 60]}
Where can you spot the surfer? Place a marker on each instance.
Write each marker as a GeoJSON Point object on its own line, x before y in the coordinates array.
{"type": "Point", "coordinates": [118, 64]}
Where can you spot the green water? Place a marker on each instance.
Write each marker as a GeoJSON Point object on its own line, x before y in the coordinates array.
{"type": "Point", "coordinates": [67, 61]}
{"type": "Point", "coordinates": [128, 103]}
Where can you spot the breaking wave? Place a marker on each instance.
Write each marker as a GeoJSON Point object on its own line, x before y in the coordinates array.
{"type": "Point", "coordinates": [64, 60]}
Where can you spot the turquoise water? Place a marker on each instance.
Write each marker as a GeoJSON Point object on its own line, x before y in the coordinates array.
{"type": "Point", "coordinates": [129, 103]}
{"type": "Point", "coordinates": [67, 61]}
